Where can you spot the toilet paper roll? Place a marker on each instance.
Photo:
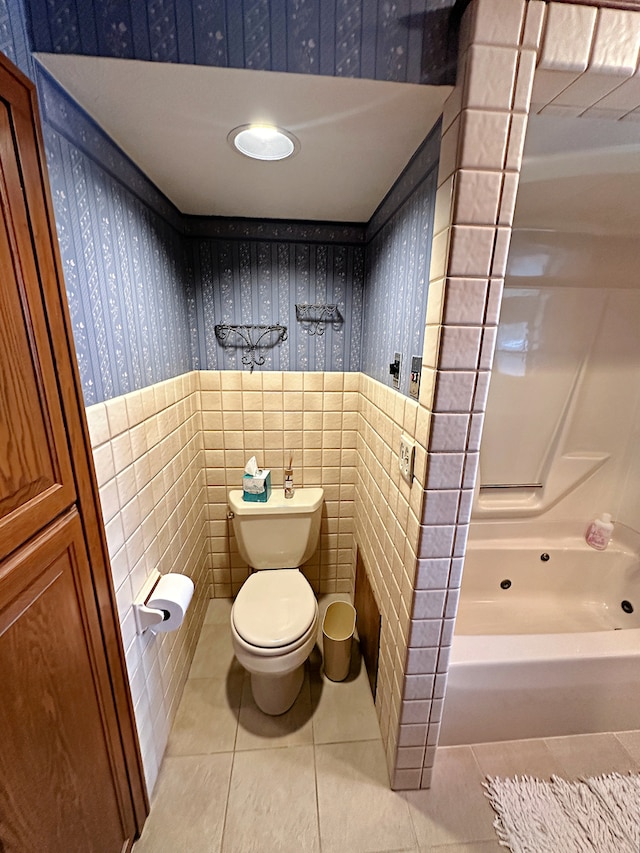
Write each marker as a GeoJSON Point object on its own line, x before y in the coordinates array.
{"type": "Point", "coordinates": [172, 595]}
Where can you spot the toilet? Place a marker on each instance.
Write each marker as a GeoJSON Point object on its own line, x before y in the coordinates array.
{"type": "Point", "coordinates": [274, 619]}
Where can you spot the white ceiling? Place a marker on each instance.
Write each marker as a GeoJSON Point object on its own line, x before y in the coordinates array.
{"type": "Point", "coordinates": [172, 120]}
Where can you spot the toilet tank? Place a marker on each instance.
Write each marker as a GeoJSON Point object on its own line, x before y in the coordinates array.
{"type": "Point", "coordinates": [281, 533]}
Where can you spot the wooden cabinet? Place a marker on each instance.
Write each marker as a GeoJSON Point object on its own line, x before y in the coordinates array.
{"type": "Point", "coordinates": [36, 479]}
{"type": "Point", "coordinates": [70, 771]}
{"type": "Point", "coordinates": [56, 792]}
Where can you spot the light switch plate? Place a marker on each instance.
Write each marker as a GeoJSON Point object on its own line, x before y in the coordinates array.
{"type": "Point", "coordinates": [407, 457]}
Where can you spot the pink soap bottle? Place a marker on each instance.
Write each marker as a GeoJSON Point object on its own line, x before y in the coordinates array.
{"type": "Point", "coordinates": [599, 532]}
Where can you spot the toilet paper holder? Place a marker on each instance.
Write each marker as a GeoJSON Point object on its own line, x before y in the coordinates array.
{"type": "Point", "coordinates": [147, 617]}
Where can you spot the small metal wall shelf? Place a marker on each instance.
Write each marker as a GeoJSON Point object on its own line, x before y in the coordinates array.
{"type": "Point", "coordinates": [315, 318]}
{"type": "Point", "coordinates": [253, 338]}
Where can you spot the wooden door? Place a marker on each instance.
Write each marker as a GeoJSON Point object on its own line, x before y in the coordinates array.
{"type": "Point", "coordinates": [70, 770]}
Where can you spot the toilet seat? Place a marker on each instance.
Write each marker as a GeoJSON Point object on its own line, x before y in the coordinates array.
{"type": "Point", "coordinates": [274, 610]}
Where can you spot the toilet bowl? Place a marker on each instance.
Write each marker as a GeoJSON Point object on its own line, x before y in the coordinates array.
{"type": "Point", "coordinates": [274, 619]}
{"type": "Point", "coordinates": [274, 625]}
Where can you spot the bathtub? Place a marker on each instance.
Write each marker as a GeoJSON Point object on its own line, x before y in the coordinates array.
{"type": "Point", "coordinates": [542, 644]}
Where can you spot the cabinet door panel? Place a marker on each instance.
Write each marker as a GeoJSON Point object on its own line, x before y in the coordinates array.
{"type": "Point", "coordinates": [36, 478]}
{"type": "Point", "coordinates": [57, 789]}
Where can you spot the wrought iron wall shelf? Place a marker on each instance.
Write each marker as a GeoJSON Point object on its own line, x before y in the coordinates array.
{"type": "Point", "coordinates": [315, 318]}
{"type": "Point", "coordinates": [252, 338]}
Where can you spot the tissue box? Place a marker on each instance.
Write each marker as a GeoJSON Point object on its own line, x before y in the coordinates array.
{"type": "Point", "coordinates": [257, 488]}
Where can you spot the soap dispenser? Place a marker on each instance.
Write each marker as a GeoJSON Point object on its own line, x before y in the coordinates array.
{"type": "Point", "coordinates": [600, 532]}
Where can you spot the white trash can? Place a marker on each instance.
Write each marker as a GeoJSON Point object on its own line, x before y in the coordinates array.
{"type": "Point", "coordinates": [338, 627]}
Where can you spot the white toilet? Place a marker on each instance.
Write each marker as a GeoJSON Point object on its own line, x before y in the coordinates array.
{"type": "Point", "coordinates": [274, 618]}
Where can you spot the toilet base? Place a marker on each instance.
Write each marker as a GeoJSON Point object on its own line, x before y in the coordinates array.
{"type": "Point", "coordinates": [275, 694]}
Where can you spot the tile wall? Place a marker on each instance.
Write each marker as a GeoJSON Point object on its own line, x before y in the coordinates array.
{"type": "Point", "coordinates": [387, 535]}
{"type": "Point", "coordinates": [165, 459]}
{"type": "Point", "coordinates": [314, 416]}
{"type": "Point", "coordinates": [484, 125]}
{"type": "Point", "coordinates": [148, 457]}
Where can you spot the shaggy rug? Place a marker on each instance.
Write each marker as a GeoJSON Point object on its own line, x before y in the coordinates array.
{"type": "Point", "coordinates": [600, 814]}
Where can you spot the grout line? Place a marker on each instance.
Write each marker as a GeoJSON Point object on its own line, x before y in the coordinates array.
{"type": "Point", "coordinates": [226, 804]}
{"type": "Point", "coordinates": [315, 779]}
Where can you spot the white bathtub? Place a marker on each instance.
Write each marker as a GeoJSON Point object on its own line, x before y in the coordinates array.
{"type": "Point", "coordinates": [555, 653]}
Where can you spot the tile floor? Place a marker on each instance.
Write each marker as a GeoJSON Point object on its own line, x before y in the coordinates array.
{"type": "Point", "coordinates": [315, 779]}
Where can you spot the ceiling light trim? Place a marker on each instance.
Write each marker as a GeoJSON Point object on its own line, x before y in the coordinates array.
{"type": "Point", "coordinates": [264, 142]}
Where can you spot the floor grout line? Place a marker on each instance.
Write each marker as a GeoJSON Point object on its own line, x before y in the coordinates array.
{"type": "Point", "coordinates": [226, 804]}
{"type": "Point", "coordinates": [315, 777]}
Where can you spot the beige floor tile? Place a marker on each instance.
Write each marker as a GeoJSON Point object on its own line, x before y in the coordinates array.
{"type": "Point", "coordinates": [358, 811]}
{"type": "Point", "coordinates": [472, 847]}
{"type": "Point", "coordinates": [261, 731]}
{"type": "Point", "coordinates": [516, 758]}
{"type": "Point", "coordinates": [214, 656]}
{"type": "Point", "coordinates": [343, 710]}
{"type": "Point", "coordinates": [207, 717]}
{"type": "Point", "coordinates": [454, 809]}
{"type": "Point", "coordinates": [590, 755]}
{"type": "Point", "coordinates": [272, 802]}
{"type": "Point", "coordinates": [188, 806]}
{"type": "Point", "coordinates": [218, 611]}
{"type": "Point", "coordinates": [631, 743]}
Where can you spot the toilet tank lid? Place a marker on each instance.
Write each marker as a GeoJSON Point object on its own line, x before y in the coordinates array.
{"type": "Point", "coordinates": [303, 501]}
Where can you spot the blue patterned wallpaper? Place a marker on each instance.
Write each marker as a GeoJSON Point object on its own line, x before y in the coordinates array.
{"type": "Point", "coordinates": [260, 281]}
{"type": "Point", "coordinates": [14, 40]}
{"type": "Point", "coordinates": [397, 270]}
{"type": "Point", "coordinates": [402, 40]}
{"type": "Point", "coordinates": [128, 284]}
{"type": "Point", "coordinates": [146, 285]}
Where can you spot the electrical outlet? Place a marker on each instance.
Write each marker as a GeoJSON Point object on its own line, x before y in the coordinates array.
{"type": "Point", "coordinates": [407, 457]}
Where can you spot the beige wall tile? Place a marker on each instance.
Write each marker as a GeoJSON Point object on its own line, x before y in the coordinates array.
{"type": "Point", "coordinates": [535, 12]}
{"type": "Point", "coordinates": [496, 22]}
{"type": "Point", "coordinates": [490, 79]}
{"type": "Point", "coordinates": [442, 213]}
{"type": "Point", "coordinates": [560, 53]}
{"type": "Point", "coordinates": [483, 139]}
{"type": "Point", "coordinates": [477, 195]}
{"type": "Point", "coordinates": [98, 424]}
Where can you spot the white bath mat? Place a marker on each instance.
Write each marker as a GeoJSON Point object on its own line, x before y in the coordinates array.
{"type": "Point", "coordinates": [600, 814]}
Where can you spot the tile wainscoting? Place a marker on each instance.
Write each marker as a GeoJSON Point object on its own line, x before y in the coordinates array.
{"type": "Point", "coordinates": [148, 456]}
{"type": "Point", "coordinates": [165, 458]}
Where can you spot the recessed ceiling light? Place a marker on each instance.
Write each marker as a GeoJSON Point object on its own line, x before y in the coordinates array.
{"type": "Point", "coordinates": [263, 141]}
